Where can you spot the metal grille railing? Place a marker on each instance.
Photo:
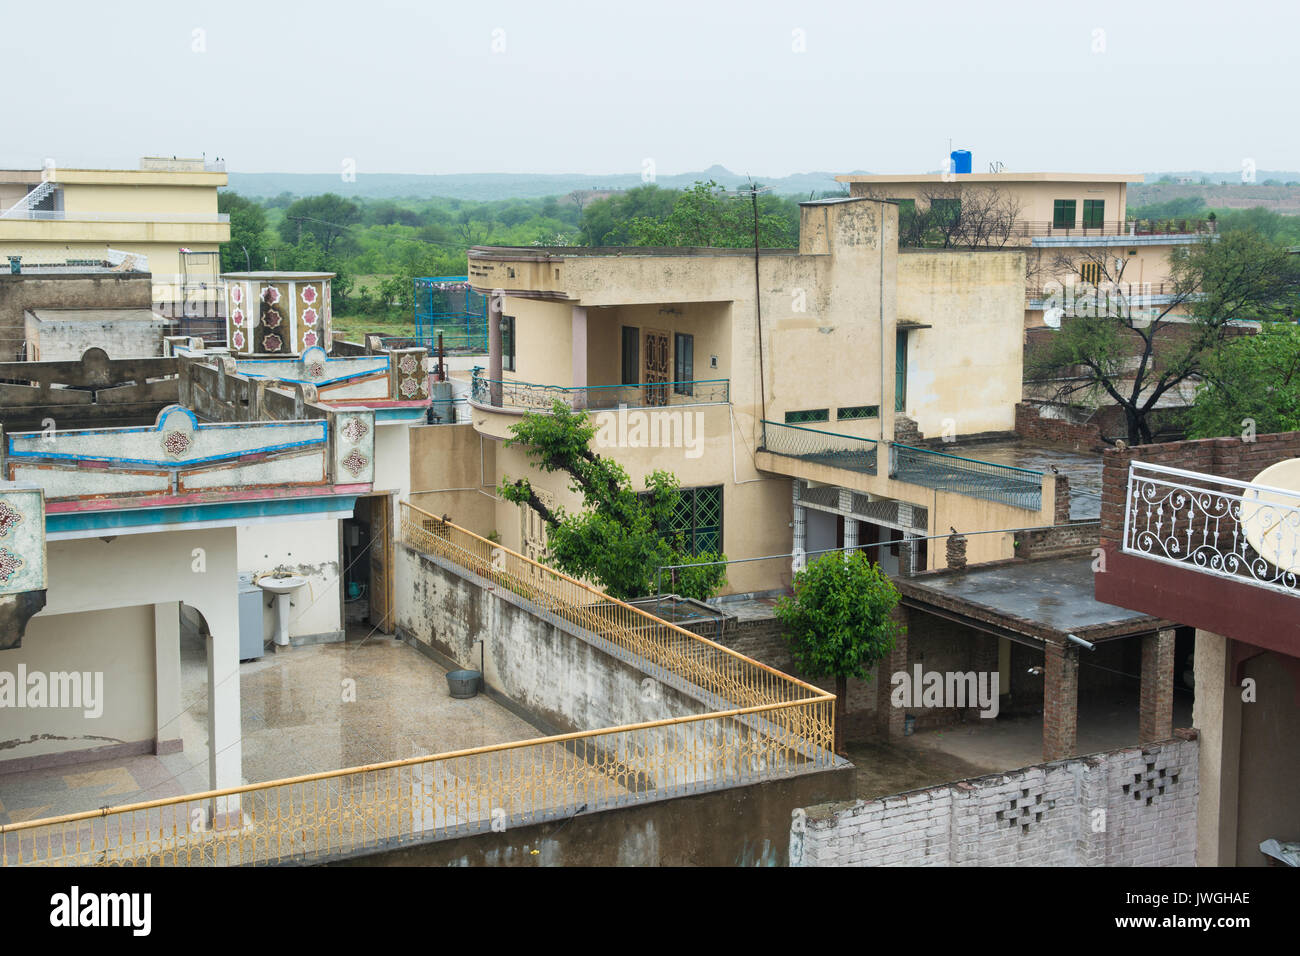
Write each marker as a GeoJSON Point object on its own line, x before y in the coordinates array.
{"type": "Point", "coordinates": [1232, 529]}
{"type": "Point", "coordinates": [1018, 487]}
{"type": "Point", "coordinates": [824, 448]}
{"type": "Point", "coordinates": [508, 394]}
{"type": "Point", "coordinates": [767, 724]}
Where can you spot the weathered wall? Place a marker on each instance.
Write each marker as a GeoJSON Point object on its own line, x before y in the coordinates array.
{"type": "Point", "coordinates": [737, 826]}
{"type": "Point", "coordinates": [551, 671]}
{"type": "Point", "coordinates": [966, 371]}
{"type": "Point", "coordinates": [60, 336]}
{"type": "Point", "coordinates": [99, 290]}
{"type": "Point", "coordinates": [1132, 807]}
{"type": "Point", "coordinates": [307, 548]}
{"type": "Point", "coordinates": [120, 648]}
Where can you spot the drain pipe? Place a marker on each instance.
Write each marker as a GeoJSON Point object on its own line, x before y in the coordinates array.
{"type": "Point", "coordinates": [1081, 642]}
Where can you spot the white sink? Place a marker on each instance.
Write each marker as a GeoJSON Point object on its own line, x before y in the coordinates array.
{"type": "Point", "coordinates": [281, 585]}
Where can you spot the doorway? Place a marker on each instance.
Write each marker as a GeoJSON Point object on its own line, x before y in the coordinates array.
{"type": "Point", "coordinates": [367, 564]}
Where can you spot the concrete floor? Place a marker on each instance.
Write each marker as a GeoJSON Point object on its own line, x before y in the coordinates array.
{"type": "Point", "coordinates": [932, 757]}
{"type": "Point", "coordinates": [297, 718]}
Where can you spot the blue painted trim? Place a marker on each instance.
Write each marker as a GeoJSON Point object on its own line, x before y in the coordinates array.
{"type": "Point", "coordinates": [172, 464]}
{"type": "Point", "coordinates": [182, 514]}
{"type": "Point", "coordinates": [314, 381]}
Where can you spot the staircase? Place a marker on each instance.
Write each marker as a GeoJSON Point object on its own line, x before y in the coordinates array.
{"type": "Point", "coordinates": [29, 202]}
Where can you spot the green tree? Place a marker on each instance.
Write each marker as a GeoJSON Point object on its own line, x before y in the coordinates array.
{"type": "Point", "coordinates": [325, 218]}
{"type": "Point", "coordinates": [839, 622]}
{"type": "Point", "coordinates": [248, 244]}
{"type": "Point", "coordinates": [618, 539]}
{"type": "Point", "coordinates": [705, 215]}
{"type": "Point", "coordinates": [1117, 350]}
{"type": "Point", "coordinates": [1252, 377]}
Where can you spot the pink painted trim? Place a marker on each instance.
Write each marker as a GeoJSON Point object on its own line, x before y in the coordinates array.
{"type": "Point", "coordinates": [166, 501]}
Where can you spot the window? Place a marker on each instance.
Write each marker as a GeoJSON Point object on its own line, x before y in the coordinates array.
{"type": "Point", "coordinates": [853, 412]}
{"type": "Point", "coordinates": [1091, 272]}
{"type": "Point", "coordinates": [698, 519]}
{"type": "Point", "coordinates": [906, 207]}
{"type": "Point", "coordinates": [508, 343]}
{"type": "Point", "coordinates": [808, 415]}
{"type": "Point", "coordinates": [683, 363]}
{"type": "Point", "coordinates": [631, 355]}
{"type": "Point", "coordinates": [1094, 213]}
{"type": "Point", "coordinates": [1063, 214]}
{"type": "Point", "coordinates": [900, 371]}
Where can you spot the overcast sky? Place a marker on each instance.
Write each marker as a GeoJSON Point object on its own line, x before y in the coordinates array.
{"type": "Point", "coordinates": [551, 87]}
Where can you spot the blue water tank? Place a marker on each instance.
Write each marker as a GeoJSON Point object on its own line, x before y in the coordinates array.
{"type": "Point", "coordinates": [961, 160]}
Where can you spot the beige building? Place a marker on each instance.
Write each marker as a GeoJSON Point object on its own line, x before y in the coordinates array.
{"type": "Point", "coordinates": [779, 391]}
{"type": "Point", "coordinates": [164, 213]}
{"type": "Point", "coordinates": [1074, 228]}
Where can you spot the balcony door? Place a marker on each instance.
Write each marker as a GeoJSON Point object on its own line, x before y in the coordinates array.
{"type": "Point", "coordinates": [658, 367]}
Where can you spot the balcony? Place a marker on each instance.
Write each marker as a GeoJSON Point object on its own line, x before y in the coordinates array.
{"type": "Point", "coordinates": [1247, 533]}
{"type": "Point", "coordinates": [67, 215]}
{"type": "Point", "coordinates": [527, 396]}
{"type": "Point", "coordinates": [940, 471]}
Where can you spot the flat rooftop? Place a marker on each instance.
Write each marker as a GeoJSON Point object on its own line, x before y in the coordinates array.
{"type": "Point", "coordinates": [1003, 177]}
{"type": "Point", "coordinates": [1052, 596]}
{"type": "Point", "coordinates": [1082, 469]}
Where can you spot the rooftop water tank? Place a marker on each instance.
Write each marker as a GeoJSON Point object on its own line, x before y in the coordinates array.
{"type": "Point", "coordinates": [961, 160]}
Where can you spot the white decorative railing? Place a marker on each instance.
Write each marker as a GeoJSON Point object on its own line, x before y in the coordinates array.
{"type": "Point", "coordinates": [1232, 529]}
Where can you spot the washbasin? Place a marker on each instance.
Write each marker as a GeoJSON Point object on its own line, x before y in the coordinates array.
{"type": "Point", "coordinates": [281, 585]}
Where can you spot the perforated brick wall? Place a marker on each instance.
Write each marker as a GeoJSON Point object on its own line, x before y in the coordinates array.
{"type": "Point", "coordinates": [1131, 807]}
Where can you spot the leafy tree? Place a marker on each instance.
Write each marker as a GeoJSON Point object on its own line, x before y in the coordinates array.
{"type": "Point", "coordinates": [1135, 356]}
{"type": "Point", "coordinates": [839, 622]}
{"type": "Point", "coordinates": [248, 245]}
{"type": "Point", "coordinates": [618, 539]}
{"type": "Point", "coordinates": [325, 218]}
{"type": "Point", "coordinates": [1254, 377]}
{"type": "Point", "coordinates": [605, 221]}
{"type": "Point", "coordinates": [705, 215]}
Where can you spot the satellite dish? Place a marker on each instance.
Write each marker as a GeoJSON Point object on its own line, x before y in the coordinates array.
{"type": "Point", "coordinates": [1270, 515]}
{"type": "Point", "coordinates": [1052, 317]}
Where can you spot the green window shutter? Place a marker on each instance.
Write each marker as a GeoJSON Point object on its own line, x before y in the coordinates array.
{"type": "Point", "coordinates": [900, 372]}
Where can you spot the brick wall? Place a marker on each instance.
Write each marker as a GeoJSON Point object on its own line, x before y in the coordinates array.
{"type": "Point", "coordinates": [1225, 457]}
{"type": "Point", "coordinates": [1069, 538]}
{"type": "Point", "coordinates": [1056, 431]}
{"type": "Point", "coordinates": [1131, 807]}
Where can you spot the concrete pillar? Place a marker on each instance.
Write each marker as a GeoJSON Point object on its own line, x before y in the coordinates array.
{"type": "Point", "coordinates": [225, 754]}
{"type": "Point", "coordinates": [890, 719]}
{"type": "Point", "coordinates": [1156, 708]}
{"type": "Point", "coordinates": [578, 335]}
{"type": "Point", "coordinates": [496, 302]}
{"type": "Point", "coordinates": [167, 677]}
{"type": "Point", "coordinates": [1060, 701]}
{"type": "Point", "coordinates": [1216, 714]}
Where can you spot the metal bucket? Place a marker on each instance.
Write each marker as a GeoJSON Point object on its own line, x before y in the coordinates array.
{"type": "Point", "coordinates": [463, 684]}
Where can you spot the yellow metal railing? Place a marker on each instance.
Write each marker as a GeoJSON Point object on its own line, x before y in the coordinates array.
{"type": "Point", "coordinates": [774, 724]}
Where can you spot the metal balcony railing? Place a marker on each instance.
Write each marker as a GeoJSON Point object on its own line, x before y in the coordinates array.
{"type": "Point", "coordinates": [65, 215]}
{"type": "Point", "coordinates": [1231, 529]}
{"type": "Point", "coordinates": [823, 448]}
{"type": "Point", "coordinates": [527, 395]}
{"type": "Point", "coordinates": [1018, 487]}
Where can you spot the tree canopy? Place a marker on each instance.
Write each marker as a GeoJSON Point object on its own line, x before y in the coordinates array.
{"type": "Point", "coordinates": [1251, 384]}
{"type": "Point", "coordinates": [620, 538]}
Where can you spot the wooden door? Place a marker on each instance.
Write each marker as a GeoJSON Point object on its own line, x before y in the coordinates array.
{"type": "Point", "coordinates": [658, 367]}
{"type": "Point", "coordinates": [381, 562]}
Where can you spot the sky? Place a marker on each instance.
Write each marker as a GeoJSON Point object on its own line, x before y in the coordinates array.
{"type": "Point", "coordinates": [760, 87]}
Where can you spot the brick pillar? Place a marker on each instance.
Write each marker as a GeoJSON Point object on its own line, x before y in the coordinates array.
{"type": "Point", "coordinates": [889, 719]}
{"type": "Point", "coordinates": [1157, 696]}
{"type": "Point", "coordinates": [956, 552]}
{"type": "Point", "coordinates": [1062, 502]}
{"type": "Point", "coordinates": [1060, 701]}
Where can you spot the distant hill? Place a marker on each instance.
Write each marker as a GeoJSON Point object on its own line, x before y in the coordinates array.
{"type": "Point", "coordinates": [1235, 195]}
{"type": "Point", "coordinates": [490, 186]}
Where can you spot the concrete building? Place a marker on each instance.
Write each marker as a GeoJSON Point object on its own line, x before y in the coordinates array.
{"type": "Point", "coordinates": [808, 416]}
{"type": "Point", "coordinates": [163, 214]}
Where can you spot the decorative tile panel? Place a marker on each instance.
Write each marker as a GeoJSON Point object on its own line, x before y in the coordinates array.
{"type": "Point", "coordinates": [22, 538]}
